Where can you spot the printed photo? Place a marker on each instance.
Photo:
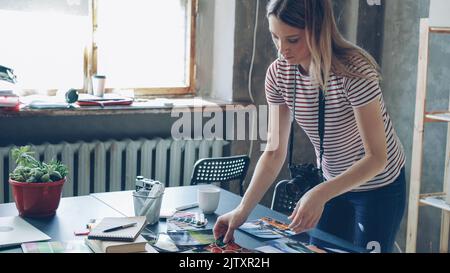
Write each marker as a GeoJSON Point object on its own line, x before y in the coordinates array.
{"type": "Point", "coordinates": [267, 228]}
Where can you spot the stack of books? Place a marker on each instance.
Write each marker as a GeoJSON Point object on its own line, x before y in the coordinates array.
{"type": "Point", "coordinates": [9, 101]}
{"type": "Point", "coordinates": [119, 235]}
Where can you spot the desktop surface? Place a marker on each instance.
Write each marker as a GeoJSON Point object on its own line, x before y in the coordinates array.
{"type": "Point", "coordinates": [75, 212]}
{"type": "Point", "coordinates": [179, 196]}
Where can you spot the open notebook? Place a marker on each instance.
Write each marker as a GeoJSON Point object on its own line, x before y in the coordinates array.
{"type": "Point", "coordinates": [128, 234]}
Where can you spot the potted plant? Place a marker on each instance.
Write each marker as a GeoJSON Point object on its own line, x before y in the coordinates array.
{"type": "Point", "coordinates": [36, 185]}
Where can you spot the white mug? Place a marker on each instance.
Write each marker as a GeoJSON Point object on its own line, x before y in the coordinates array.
{"type": "Point", "coordinates": [98, 85]}
{"type": "Point", "coordinates": [208, 199]}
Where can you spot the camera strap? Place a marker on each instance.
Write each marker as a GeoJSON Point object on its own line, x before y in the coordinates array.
{"type": "Point", "coordinates": [321, 126]}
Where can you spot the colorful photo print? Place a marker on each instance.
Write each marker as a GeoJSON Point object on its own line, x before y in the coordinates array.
{"type": "Point", "coordinates": [191, 237]}
{"type": "Point", "coordinates": [267, 228]}
{"type": "Point", "coordinates": [220, 247]}
{"type": "Point", "coordinates": [187, 221]}
{"type": "Point", "coordinates": [288, 245]}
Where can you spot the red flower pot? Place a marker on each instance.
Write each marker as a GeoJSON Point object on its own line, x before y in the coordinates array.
{"type": "Point", "coordinates": [37, 199]}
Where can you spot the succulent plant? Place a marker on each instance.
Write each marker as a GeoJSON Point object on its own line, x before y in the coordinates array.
{"type": "Point", "coordinates": [30, 170]}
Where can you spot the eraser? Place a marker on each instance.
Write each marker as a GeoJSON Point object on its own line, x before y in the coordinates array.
{"type": "Point", "coordinates": [81, 232]}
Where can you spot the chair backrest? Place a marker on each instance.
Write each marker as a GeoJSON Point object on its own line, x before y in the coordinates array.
{"type": "Point", "coordinates": [281, 201]}
{"type": "Point", "coordinates": [221, 169]}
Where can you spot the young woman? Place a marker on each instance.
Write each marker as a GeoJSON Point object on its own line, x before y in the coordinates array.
{"type": "Point", "coordinates": [363, 198]}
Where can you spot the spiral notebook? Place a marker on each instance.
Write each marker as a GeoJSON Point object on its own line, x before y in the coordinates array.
{"type": "Point", "coordinates": [128, 234]}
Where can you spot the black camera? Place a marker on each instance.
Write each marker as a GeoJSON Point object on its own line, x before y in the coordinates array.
{"type": "Point", "coordinates": [304, 178]}
{"type": "Point", "coordinates": [7, 74]}
{"type": "Point", "coordinates": [145, 183]}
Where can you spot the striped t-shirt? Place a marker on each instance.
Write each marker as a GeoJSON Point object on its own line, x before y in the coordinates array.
{"type": "Point", "coordinates": [343, 145]}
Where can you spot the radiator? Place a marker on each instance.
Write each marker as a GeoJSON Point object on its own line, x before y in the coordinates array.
{"type": "Point", "coordinates": [114, 165]}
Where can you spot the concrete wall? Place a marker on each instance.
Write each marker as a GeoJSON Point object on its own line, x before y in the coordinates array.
{"type": "Point", "coordinates": [265, 54]}
{"type": "Point", "coordinates": [205, 48]}
{"type": "Point", "coordinates": [347, 14]}
{"type": "Point", "coordinates": [390, 32]}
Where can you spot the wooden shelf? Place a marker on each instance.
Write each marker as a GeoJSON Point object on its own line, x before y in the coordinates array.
{"type": "Point", "coordinates": [437, 117]}
{"type": "Point", "coordinates": [436, 200]}
{"type": "Point", "coordinates": [421, 117]}
{"type": "Point", "coordinates": [440, 30]}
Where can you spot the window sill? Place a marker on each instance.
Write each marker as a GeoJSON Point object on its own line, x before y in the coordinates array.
{"type": "Point", "coordinates": [139, 106]}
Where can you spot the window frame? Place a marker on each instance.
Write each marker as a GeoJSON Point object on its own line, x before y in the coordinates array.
{"type": "Point", "coordinates": [90, 57]}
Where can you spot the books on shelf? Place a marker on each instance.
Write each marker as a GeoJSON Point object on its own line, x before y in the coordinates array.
{"type": "Point", "coordinates": [9, 100]}
{"type": "Point", "coordinates": [106, 100]}
{"type": "Point", "coordinates": [6, 93]}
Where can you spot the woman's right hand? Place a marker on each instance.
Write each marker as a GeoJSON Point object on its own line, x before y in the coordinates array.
{"type": "Point", "coordinates": [228, 223]}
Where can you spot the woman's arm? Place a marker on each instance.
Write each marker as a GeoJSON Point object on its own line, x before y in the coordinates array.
{"type": "Point", "coordinates": [272, 160]}
{"type": "Point", "coordinates": [371, 128]}
{"type": "Point", "coordinates": [266, 171]}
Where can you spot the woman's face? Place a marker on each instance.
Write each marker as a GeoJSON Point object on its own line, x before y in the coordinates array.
{"type": "Point", "coordinates": [290, 42]}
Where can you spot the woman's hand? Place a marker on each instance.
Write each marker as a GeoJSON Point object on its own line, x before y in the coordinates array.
{"type": "Point", "coordinates": [228, 223]}
{"type": "Point", "coordinates": [308, 211]}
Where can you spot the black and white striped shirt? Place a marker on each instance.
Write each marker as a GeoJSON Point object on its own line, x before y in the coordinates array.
{"type": "Point", "coordinates": [343, 145]}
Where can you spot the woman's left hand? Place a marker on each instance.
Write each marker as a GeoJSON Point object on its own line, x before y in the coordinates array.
{"type": "Point", "coordinates": [308, 211]}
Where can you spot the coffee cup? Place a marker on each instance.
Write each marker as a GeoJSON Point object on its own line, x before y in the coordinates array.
{"type": "Point", "coordinates": [208, 199]}
{"type": "Point", "coordinates": [98, 85]}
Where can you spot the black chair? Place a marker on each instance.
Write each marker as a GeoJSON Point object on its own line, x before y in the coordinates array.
{"type": "Point", "coordinates": [281, 201]}
{"type": "Point", "coordinates": [221, 170]}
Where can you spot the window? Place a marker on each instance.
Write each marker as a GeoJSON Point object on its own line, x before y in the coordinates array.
{"type": "Point", "coordinates": [43, 42]}
{"type": "Point", "coordinates": [145, 45]}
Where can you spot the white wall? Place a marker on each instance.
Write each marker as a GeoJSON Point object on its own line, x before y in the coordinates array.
{"type": "Point", "coordinates": [439, 13]}
{"type": "Point", "coordinates": [223, 49]}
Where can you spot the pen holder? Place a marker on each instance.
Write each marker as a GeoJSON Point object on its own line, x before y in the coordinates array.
{"type": "Point", "coordinates": [150, 207]}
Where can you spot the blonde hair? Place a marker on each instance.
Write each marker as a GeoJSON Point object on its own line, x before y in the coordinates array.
{"type": "Point", "coordinates": [330, 52]}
